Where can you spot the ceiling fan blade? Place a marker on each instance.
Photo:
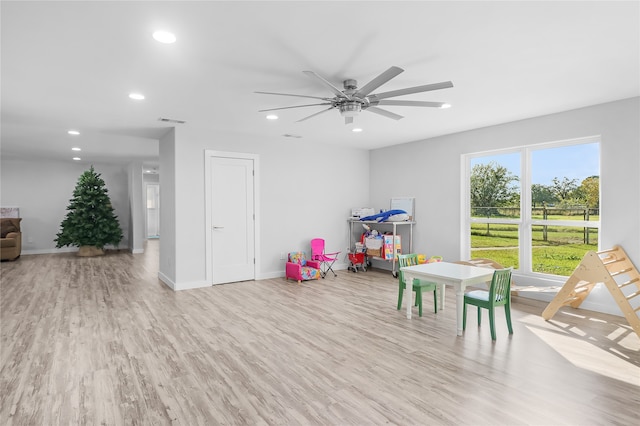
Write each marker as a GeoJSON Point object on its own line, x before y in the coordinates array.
{"type": "Point", "coordinates": [412, 103]}
{"type": "Point", "coordinates": [333, 88]}
{"type": "Point", "coordinates": [384, 112]}
{"type": "Point", "coordinates": [313, 115]}
{"type": "Point", "coordinates": [417, 89]}
{"type": "Point", "coordinates": [348, 120]}
{"type": "Point", "coordinates": [378, 81]}
{"type": "Point", "coordinates": [295, 106]}
{"type": "Point", "coordinates": [299, 96]}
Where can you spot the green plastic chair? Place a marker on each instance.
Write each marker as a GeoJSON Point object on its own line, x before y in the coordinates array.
{"type": "Point", "coordinates": [499, 294]}
{"type": "Point", "coordinates": [418, 285]}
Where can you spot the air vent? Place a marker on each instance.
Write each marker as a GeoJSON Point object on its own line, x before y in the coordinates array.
{"type": "Point", "coordinates": [288, 135]}
{"type": "Point", "coordinates": [171, 120]}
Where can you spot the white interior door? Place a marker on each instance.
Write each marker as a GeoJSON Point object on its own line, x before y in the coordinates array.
{"type": "Point", "coordinates": [232, 219]}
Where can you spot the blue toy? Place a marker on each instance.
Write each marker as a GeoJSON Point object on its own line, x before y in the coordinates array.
{"type": "Point", "coordinates": [384, 216]}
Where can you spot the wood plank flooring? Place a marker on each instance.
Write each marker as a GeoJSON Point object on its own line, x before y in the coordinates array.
{"type": "Point", "coordinates": [89, 341]}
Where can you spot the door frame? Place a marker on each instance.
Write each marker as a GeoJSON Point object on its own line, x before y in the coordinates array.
{"type": "Point", "coordinates": [208, 155]}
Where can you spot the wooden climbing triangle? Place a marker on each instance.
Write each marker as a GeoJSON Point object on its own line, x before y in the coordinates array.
{"type": "Point", "coordinates": [602, 267]}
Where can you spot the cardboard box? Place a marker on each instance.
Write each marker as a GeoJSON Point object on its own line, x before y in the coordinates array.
{"type": "Point", "coordinates": [374, 252]}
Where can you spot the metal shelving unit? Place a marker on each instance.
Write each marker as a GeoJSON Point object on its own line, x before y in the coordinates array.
{"type": "Point", "coordinates": [380, 226]}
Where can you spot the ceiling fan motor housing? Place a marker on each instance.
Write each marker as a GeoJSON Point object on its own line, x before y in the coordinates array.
{"type": "Point", "coordinates": [350, 84]}
{"type": "Point", "coordinates": [350, 108]}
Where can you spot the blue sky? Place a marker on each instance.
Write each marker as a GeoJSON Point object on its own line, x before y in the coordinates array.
{"type": "Point", "coordinates": [573, 161]}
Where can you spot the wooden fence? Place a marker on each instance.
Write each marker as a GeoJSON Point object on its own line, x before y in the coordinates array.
{"type": "Point", "coordinates": [544, 211]}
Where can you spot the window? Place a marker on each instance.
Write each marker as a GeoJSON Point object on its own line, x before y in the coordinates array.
{"type": "Point", "coordinates": [494, 196]}
{"type": "Point", "coordinates": [534, 208]}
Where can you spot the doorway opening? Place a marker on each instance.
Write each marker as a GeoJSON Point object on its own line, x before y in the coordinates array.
{"type": "Point", "coordinates": [153, 210]}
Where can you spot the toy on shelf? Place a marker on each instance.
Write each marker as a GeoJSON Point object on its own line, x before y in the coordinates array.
{"type": "Point", "coordinates": [422, 259]}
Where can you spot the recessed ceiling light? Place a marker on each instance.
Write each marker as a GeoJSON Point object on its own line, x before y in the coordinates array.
{"type": "Point", "coordinates": [75, 148]}
{"type": "Point", "coordinates": [77, 158]}
{"type": "Point", "coordinates": [136, 96]}
{"type": "Point", "coordinates": [164, 37]}
{"type": "Point", "coordinates": [73, 132]}
{"type": "Point", "coordinates": [272, 117]}
{"type": "Point", "coordinates": [445, 106]}
{"type": "Point", "coordinates": [356, 130]}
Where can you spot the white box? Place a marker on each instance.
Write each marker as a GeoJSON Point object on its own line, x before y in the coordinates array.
{"type": "Point", "coordinates": [362, 212]}
{"type": "Point", "coordinates": [373, 243]}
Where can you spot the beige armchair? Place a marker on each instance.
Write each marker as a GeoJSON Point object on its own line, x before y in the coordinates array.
{"type": "Point", "coordinates": [11, 238]}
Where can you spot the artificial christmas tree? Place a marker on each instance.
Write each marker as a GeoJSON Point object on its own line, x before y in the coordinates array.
{"type": "Point", "coordinates": [90, 223]}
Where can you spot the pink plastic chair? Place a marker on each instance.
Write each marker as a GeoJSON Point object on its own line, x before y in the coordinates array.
{"type": "Point", "coordinates": [327, 259]}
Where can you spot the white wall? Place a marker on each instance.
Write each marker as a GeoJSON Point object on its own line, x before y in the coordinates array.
{"type": "Point", "coordinates": [136, 211]}
{"type": "Point", "coordinates": [307, 191]}
{"type": "Point", "coordinates": [433, 169]}
{"type": "Point", "coordinates": [167, 261]}
{"type": "Point", "coordinates": [42, 189]}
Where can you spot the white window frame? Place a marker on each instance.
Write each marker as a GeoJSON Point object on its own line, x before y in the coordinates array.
{"type": "Point", "coordinates": [525, 221]}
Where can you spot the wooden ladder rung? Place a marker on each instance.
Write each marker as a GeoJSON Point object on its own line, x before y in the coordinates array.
{"type": "Point", "coordinates": [608, 250]}
{"type": "Point", "coordinates": [581, 289]}
{"type": "Point", "coordinates": [570, 299]}
{"type": "Point", "coordinates": [636, 309]}
{"type": "Point", "coordinates": [623, 285]}
{"type": "Point", "coordinates": [624, 271]}
{"type": "Point", "coordinates": [609, 262]}
{"type": "Point", "coordinates": [632, 295]}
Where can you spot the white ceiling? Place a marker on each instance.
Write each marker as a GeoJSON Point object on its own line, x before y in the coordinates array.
{"type": "Point", "coordinates": [72, 64]}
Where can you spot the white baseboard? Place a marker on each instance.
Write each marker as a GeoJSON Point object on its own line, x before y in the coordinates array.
{"type": "Point", "coordinates": [192, 285]}
{"type": "Point", "coordinates": [50, 251]}
{"type": "Point", "coordinates": [587, 305]}
{"type": "Point", "coordinates": [281, 273]}
{"type": "Point", "coordinates": [169, 282]}
{"type": "Point", "coordinates": [182, 286]}
{"type": "Point", "coordinates": [69, 250]}
{"type": "Point", "coordinates": [270, 275]}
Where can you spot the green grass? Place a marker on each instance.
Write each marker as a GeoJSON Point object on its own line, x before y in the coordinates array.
{"type": "Point", "coordinates": [506, 257]}
{"type": "Point", "coordinates": [559, 254]}
{"type": "Point", "coordinates": [559, 260]}
{"type": "Point", "coordinates": [498, 236]}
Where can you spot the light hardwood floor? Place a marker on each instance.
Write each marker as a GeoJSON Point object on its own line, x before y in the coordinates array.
{"type": "Point", "coordinates": [103, 341]}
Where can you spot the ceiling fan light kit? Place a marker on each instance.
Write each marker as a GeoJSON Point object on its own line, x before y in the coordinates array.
{"type": "Point", "coordinates": [351, 101]}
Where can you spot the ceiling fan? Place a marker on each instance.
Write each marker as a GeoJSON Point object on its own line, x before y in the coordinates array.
{"type": "Point", "coordinates": [352, 100]}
